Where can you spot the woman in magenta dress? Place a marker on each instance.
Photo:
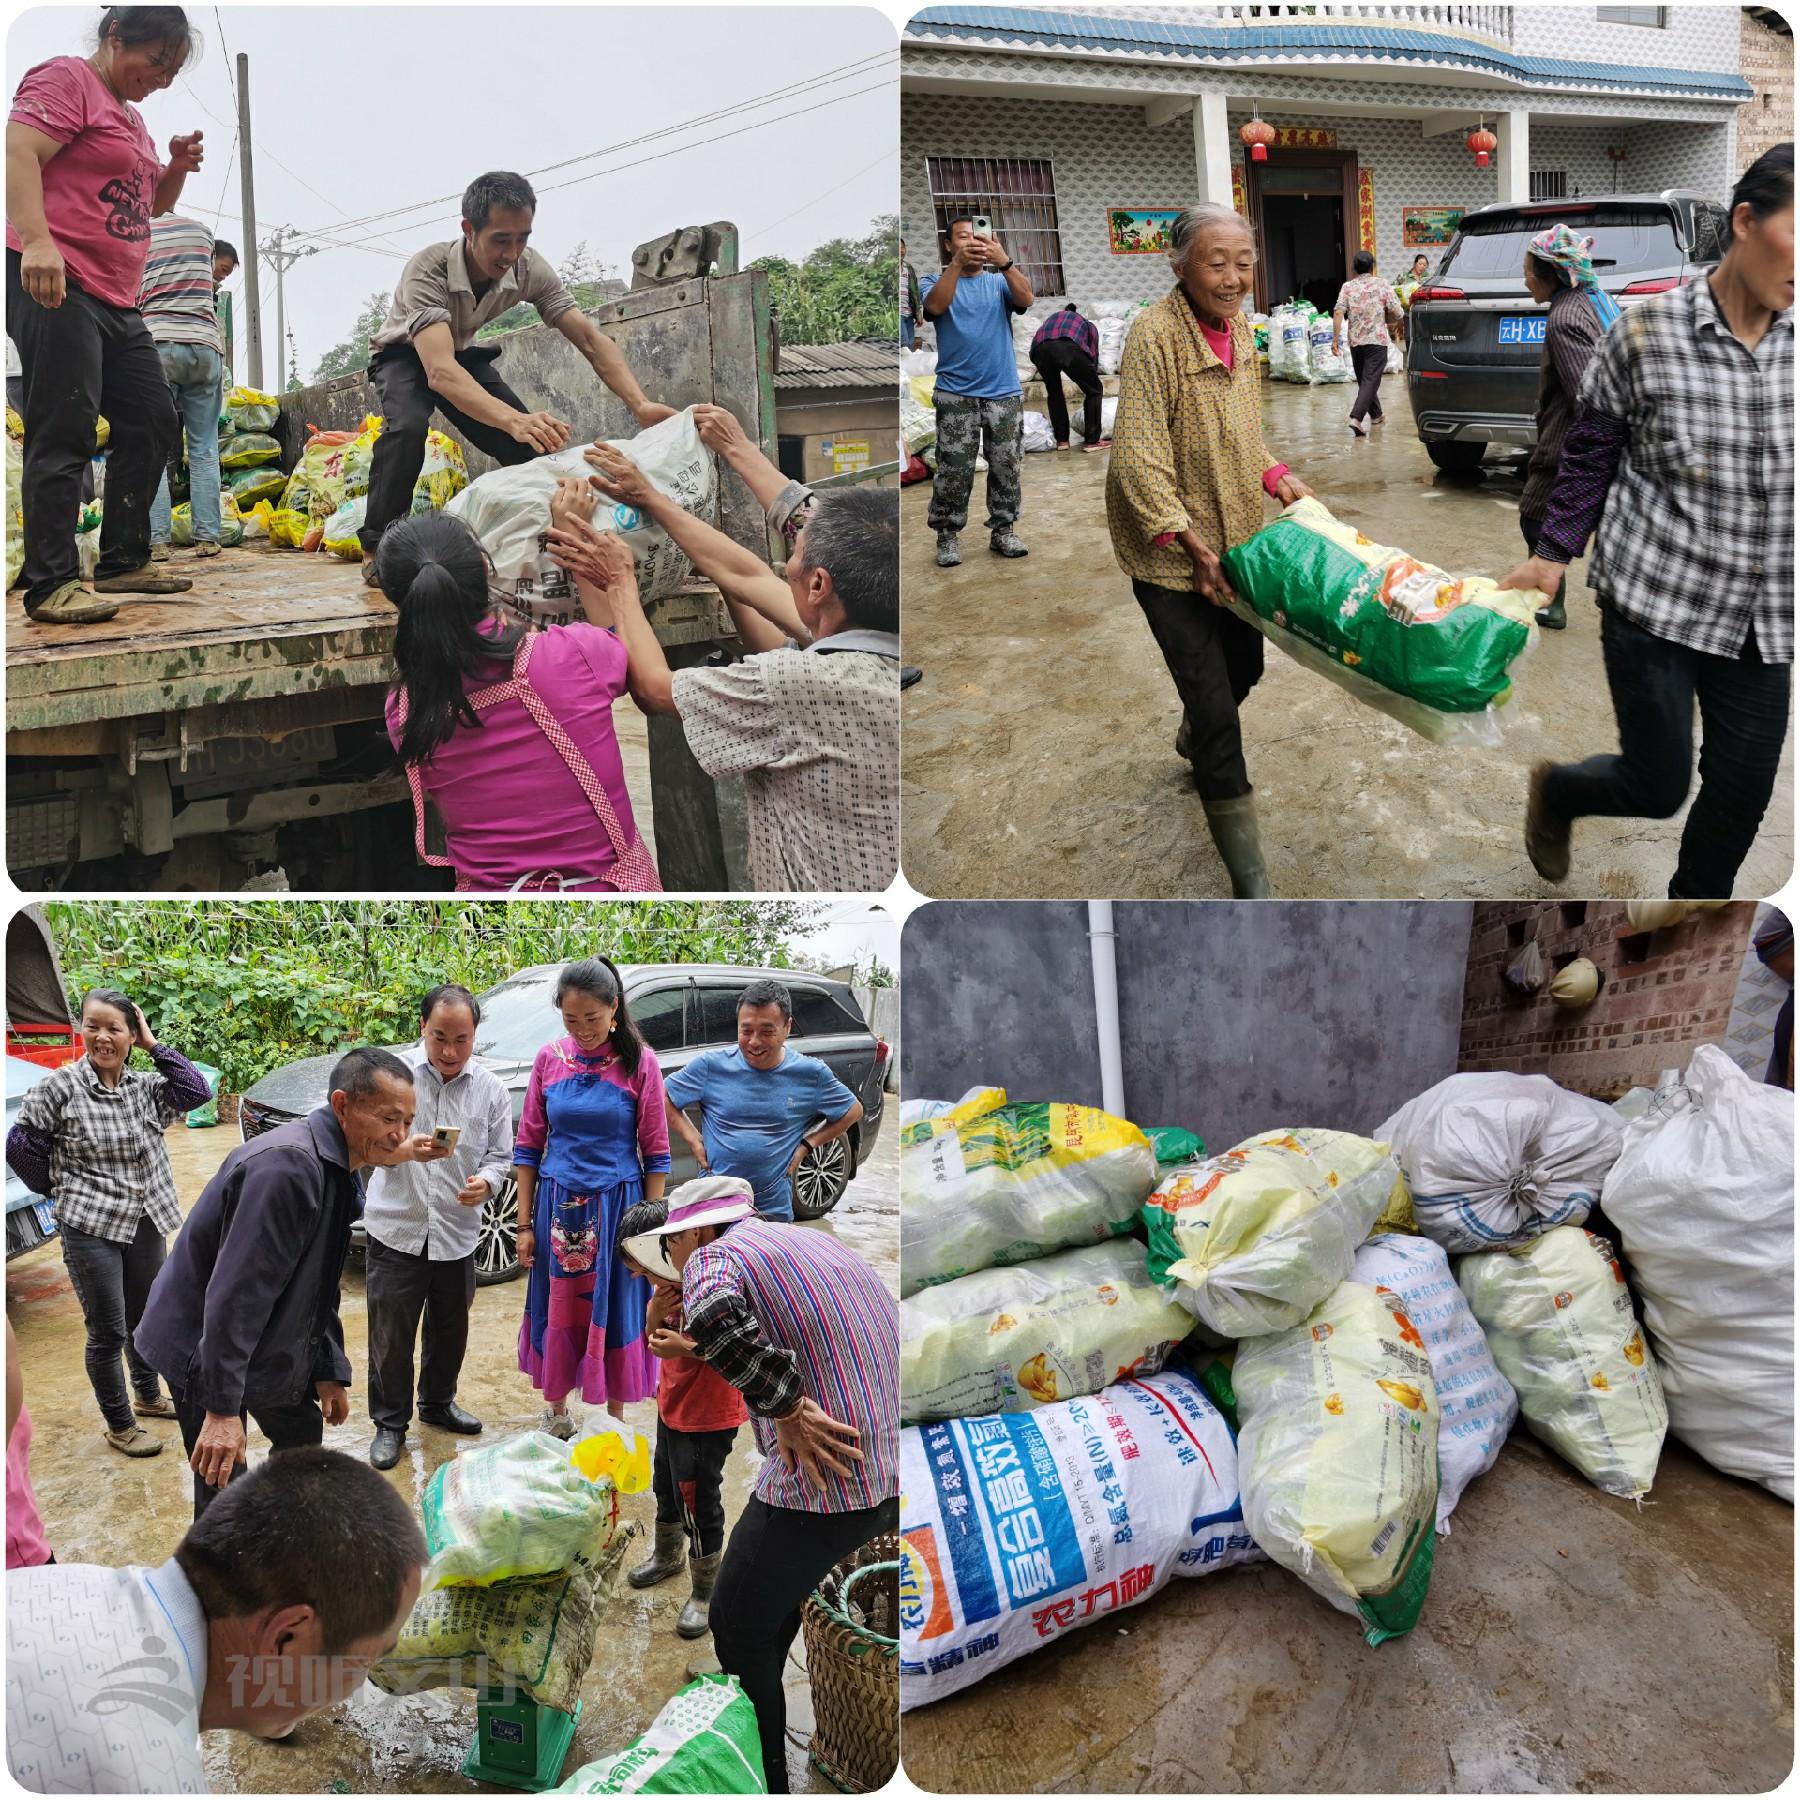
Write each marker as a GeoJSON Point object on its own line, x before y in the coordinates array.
{"type": "Point", "coordinates": [509, 731]}
{"type": "Point", "coordinates": [592, 1141]}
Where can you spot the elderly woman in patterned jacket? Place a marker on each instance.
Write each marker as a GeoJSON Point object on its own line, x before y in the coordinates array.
{"type": "Point", "coordinates": [1187, 481]}
{"type": "Point", "coordinates": [91, 1137]}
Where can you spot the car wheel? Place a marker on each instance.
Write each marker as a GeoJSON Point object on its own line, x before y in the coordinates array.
{"type": "Point", "coordinates": [1456, 457]}
{"type": "Point", "coordinates": [497, 1244]}
{"type": "Point", "coordinates": [820, 1180]}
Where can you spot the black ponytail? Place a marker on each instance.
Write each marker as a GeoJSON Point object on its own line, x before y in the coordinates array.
{"type": "Point", "coordinates": [1767, 186]}
{"type": "Point", "coordinates": [433, 569]}
{"type": "Point", "coordinates": [599, 976]}
{"type": "Point", "coordinates": [165, 27]}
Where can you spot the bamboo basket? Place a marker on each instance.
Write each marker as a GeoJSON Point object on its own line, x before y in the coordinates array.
{"type": "Point", "coordinates": [852, 1627]}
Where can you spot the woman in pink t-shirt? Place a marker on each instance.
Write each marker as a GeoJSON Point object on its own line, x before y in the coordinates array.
{"type": "Point", "coordinates": [507, 730]}
{"type": "Point", "coordinates": [83, 181]}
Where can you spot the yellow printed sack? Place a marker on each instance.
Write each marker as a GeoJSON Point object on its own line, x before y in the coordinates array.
{"type": "Point", "coordinates": [288, 529]}
{"type": "Point", "coordinates": [443, 476]}
{"type": "Point", "coordinates": [922, 1119]}
{"type": "Point", "coordinates": [1016, 1183]}
{"type": "Point", "coordinates": [1252, 1240]}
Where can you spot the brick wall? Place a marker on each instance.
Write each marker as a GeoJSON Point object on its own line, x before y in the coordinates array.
{"type": "Point", "coordinates": [1767, 59]}
{"type": "Point", "coordinates": [1665, 993]}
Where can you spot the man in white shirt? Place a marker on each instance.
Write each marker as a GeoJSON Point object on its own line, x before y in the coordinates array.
{"type": "Point", "coordinates": [423, 1220]}
{"type": "Point", "coordinates": [272, 1608]}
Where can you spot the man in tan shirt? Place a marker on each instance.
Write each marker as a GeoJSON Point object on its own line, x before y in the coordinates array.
{"type": "Point", "coordinates": [425, 357]}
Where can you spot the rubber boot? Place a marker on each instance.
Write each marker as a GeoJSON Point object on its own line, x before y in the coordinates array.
{"type": "Point", "coordinates": [704, 1571]}
{"type": "Point", "coordinates": [1233, 827]}
{"type": "Point", "coordinates": [1554, 617]}
{"type": "Point", "coordinates": [665, 1559]}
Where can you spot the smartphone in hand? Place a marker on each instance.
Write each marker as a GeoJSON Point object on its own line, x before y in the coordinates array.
{"type": "Point", "coordinates": [444, 1138]}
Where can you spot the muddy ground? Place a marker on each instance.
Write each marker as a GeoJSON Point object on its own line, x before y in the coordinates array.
{"type": "Point", "coordinates": [99, 1507]}
{"type": "Point", "coordinates": [1570, 1643]}
{"type": "Point", "coordinates": [1038, 752]}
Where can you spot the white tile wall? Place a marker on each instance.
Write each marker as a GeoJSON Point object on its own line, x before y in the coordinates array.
{"type": "Point", "coordinates": [1702, 39]}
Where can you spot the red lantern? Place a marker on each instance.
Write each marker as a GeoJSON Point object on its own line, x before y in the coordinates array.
{"type": "Point", "coordinates": [1259, 134]}
{"type": "Point", "coordinates": [1482, 142]}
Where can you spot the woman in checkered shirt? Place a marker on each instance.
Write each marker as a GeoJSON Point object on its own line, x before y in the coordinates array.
{"type": "Point", "coordinates": [91, 1138]}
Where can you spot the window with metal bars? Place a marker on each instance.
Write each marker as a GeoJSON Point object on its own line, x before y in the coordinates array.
{"type": "Point", "coordinates": [1652, 18]}
{"type": "Point", "coordinates": [1018, 194]}
{"type": "Point", "coordinates": [1549, 184]}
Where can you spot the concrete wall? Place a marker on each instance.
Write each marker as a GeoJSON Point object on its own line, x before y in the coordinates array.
{"type": "Point", "coordinates": [1766, 61]}
{"type": "Point", "coordinates": [1665, 993]}
{"type": "Point", "coordinates": [1235, 1018]}
{"type": "Point", "coordinates": [881, 1007]}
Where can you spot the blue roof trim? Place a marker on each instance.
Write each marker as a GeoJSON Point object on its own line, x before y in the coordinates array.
{"type": "Point", "coordinates": [1216, 43]}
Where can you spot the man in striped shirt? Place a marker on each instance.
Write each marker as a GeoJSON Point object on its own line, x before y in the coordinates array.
{"type": "Point", "coordinates": [178, 304]}
{"type": "Point", "coordinates": [810, 1335]}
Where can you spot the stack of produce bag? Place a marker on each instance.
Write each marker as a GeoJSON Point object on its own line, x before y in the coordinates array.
{"type": "Point", "coordinates": [1338, 1454]}
{"type": "Point", "coordinates": [704, 1741]}
{"type": "Point", "coordinates": [1252, 1240]}
{"type": "Point", "coordinates": [508, 509]}
{"type": "Point", "coordinates": [1476, 1403]}
{"type": "Point", "coordinates": [1494, 1160]}
{"type": "Point", "coordinates": [1016, 1183]}
{"type": "Point", "coordinates": [1327, 364]}
{"type": "Point", "coordinates": [246, 410]}
{"type": "Point", "coordinates": [1018, 1528]}
{"type": "Point", "coordinates": [1006, 1340]}
{"type": "Point", "coordinates": [521, 1536]}
{"type": "Point", "coordinates": [1404, 637]}
{"type": "Point", "coordinates": [1703, 1199]}
{"type": "Point", "coordinates": [231, 522]}
{"type": "Point", "coordinates": [1290, 354]}
{"type": "Point", "coordinates": [1559, 1320]}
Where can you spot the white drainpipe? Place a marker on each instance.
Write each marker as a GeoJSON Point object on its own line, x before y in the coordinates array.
{"type": "Point", "coordinates": [1106, 1006]}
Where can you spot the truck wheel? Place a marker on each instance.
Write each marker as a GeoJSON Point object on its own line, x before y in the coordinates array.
{"type": "Point", "coordinates": [1456, 456]}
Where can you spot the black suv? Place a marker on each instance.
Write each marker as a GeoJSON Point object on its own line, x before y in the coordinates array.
{"type": "Point", "coordinates": [681, 1009]}
{"type": "Point", "coordinates": [1475, 335]}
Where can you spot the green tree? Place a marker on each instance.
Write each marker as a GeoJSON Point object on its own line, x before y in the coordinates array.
{"type": "Point", "coordinates": [353, 353]}
{"type": "Point", "coordinates": [846, 288]}
{"type": "Point", "coordinates": [247, 987]}
{"type": "Point", "coordinates": [590, 280]}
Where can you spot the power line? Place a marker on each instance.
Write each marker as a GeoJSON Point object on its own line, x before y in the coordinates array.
{"type": "Point", "coordinates": [763, 230]}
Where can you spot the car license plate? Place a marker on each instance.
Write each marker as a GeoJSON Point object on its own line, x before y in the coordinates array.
{"type": "Point", "coordinates": [1522, 328]}
{"type": "Point", "coordinates": [45, 1217]}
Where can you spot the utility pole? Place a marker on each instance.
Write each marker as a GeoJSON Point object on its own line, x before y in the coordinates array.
{"type": "Point", "coordinates": [252, 300]}
{"type": "Point", "coordinates": [283, 259]}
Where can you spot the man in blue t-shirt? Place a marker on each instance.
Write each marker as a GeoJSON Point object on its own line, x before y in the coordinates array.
{"type": "Point", "coordinates": [760, 1101]}
{"type": "Point", "coordinates": [980, 410]}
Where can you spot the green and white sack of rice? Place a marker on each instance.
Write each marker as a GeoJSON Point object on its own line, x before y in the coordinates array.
{"type": "Point", "coordinates": [704, 1741]}
{"type": "Point", "coordinates": [1338, 1455]}
{"type": "Point", "coordinates": [1559, 1320]}
{"type": "Point", "coordinates": [1006, 1340]}
{"type": "Point", "coordinates": [1252, 1240]}
{"type": "Point", "coordinates": [1019, 1528]}
{"type": "Point", "coordinates": [1476, 1403]}
{"type": "Point", "coordinates": [514, 1509]}
{"type": "Point", "coordinates": [1016, 1183]}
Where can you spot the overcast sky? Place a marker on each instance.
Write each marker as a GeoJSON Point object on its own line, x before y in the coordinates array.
{"type": "Point", "coordinates": [356, 111]}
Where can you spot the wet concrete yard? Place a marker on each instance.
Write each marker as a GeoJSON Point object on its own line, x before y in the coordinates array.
{"type": "Point", "coordinates": [1570, 1643]}
{"type": "Point", "coordinates": [1038, 752]}
{"type": "Point", "coordinates": [101, 1507]}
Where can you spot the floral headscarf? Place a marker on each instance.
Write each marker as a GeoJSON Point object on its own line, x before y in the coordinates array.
{"type": "Point", "coordinates": [1573, 257]}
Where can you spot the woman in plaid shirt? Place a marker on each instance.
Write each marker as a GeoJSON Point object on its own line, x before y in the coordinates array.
{"type": "Point", "coordinates": [1682, 455]}
{"type": "Point", "coordinates": [91, 1138]}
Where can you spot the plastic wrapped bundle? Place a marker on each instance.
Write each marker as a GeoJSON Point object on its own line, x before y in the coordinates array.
{"type": "Point", "coordinates": [15, 514]}
{"type": "Point", "coordinates": [918, 417]}
{"type": "Point", "coordinates": [1290, 356]}
{"type": "Point", "coordinates": [1703, 1199]}
{"type": "Point", "coordinates": [1476, 1403]}
{"type": "Point", "coordinates": [263, 482]}
{"type": "Point", "coordinates": [442, 476]}
{"type": "Point", "coordinates": [1559, 1320]}
{"type": "Point", "coordinates": [1494, 1160]}
{"type": "Point", "coordinates": [1017, 1183]}
{"type": "Point", "coordinates": [246, 410]}
{"type": "Point", "coordinates": [1252, 1240]}
{"type": "Point", "coordinates": [921, 1119]}
{"type": "Point", "coordinates": [1327, 364]}
{"type": "Point", "coordinates": [248, 450]}
{"type": "Point", "coordinates": [508, 509]}
{"type": "Point", "coordinates": [1114, 1495]}
{"type": "Point", "coordinates": [1338, 1455]}
{"type": "Point", "coordinates": [1006, 1340]}
{"type": "Point", "coordinates": [231, 523]}
{"type": "Point", "coordinates": [1428, 649]}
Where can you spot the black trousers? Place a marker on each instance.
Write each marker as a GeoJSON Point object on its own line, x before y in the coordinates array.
{"type": "Point", "coordinates": [82, 359]}
{"type": "Point", "coordinates": [407, 403]}
{"type": "Point", "coordinates": [297, 1426]}
{"type": "Point", "coordinates": [1370, 363]}
{"type": "Point", "coordinates": [689, 1481]}
{"type": "Point", "coordinates": [403, 1288]}
{"type": "Point", "coordinates": [1216, 659]}
{"type": "Point", "coordinates": [1743, 721]}
{"type": "Point", "coordinates": [1055, 358]}
{"type": "Point", "coordinates": [777, 1556]}
{"type": "Point", "coordinates": [112, 1281]}
{"type": "Point", "coordinates": [1531, 530]}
